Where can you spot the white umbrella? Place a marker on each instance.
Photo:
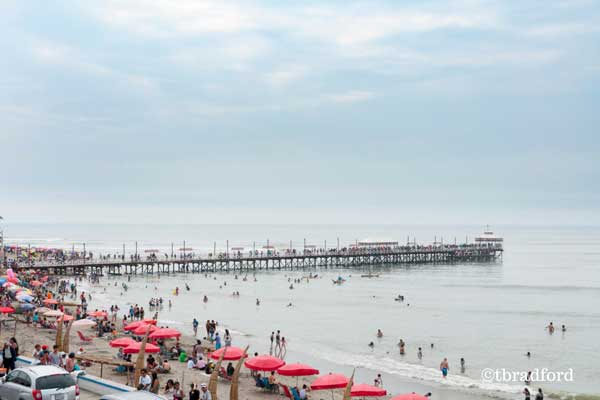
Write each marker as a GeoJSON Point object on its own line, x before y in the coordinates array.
{"type": "Point", "coordinates": [53, 313]}
{"type": "Point", "coordinates": [42, 310]}
{"type": "Point", "coordinates": [84, 323]}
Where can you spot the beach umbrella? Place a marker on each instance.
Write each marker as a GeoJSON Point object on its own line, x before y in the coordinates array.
{"type": "Point", "coordinates": [7, 284]}
{"type": "Point", "coordinates": [232, 353]}
{"type": "Point", "coordinates": [44, 278]}
{"type": "Point", "coordinates": [7, 310]}
{"type": "Point", "coordinates": [84, 323]}
{"type": "Point", "coordinates": [410, 396]}
{"type": "Point", "coordinates": [122, 342]}
{"type": "Point", "coordinates": [2, 280]}
{"type": "Point", "coordinates": [133, 325]}
{"type": "Point", "coordinates": [26, 306]}
{"type": "Point", "coordinates": [165, 333]}
{"type": "Point", "coordinates": [135, 348]}
{"type": "Point", "coordinates": [42, 310]}
{"type": "Point", "coordinates": [98, 314]}
{"type": "Point", "coordinates": [53, 313]}
{"type": "Point", "coordinates": [142, 329]}
{"type": "Point", "coordinates": [50, 301]}
{"type": "Point", "coordinates": [66, 317]}
{"type": "Point", "coordinates": [330, 381]}
{"type": "Point", "coordinates": [24, 297]}
{"type": "Point", "coordinates": [35, 283]}
{"type": "Point", "coordinates": [297, 369]}
{"type": "Point", "coordinates": [149, 321]}
{"type": "Point", "coordinates": [364, 390]}
{"type": "Point", "coordinates": [264, 363]}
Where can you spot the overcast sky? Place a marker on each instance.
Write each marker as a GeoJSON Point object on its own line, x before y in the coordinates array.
{"type": "Point", "coordinates": [290, 112]}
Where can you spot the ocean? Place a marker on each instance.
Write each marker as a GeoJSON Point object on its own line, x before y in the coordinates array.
{"type": "Point", "coordinates": [488, 314]}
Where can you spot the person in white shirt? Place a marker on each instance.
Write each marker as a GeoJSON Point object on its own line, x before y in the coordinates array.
{"type": "Point", "coordinates": [145, 381]}
{"type": "Point", "coordinates": [205, 395]}
{"type": "Point", "coordinates": [191, 363]}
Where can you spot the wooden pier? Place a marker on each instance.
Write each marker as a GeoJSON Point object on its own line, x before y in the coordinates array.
{"type": "Point", "coordinates": [288, 261]}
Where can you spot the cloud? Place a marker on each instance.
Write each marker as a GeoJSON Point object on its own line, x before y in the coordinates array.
{"type": "Point", "coordinates": [61, 55]}
{"type": "Point", "coordinates": [286, 75]}
{"type": "Point", "coordinates": [355, 96]}
{"type": "Point", "coordinates": [560, 29]}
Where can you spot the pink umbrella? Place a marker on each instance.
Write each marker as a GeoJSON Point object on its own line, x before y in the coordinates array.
{"type": "Point", "coordinates": [410, 396]}
{"type": "Point", "coordinates": [36, 283]}
{"type": "Point", "coordinates": [136, 347]}
{"type": "Point", "coordinates": [97, 314]}
{"type": "Point", "coordinates": [142, 329]}
{"type": "Point", "coordinates": [165, 333]}
{"type": "Point", "coordinates": [330, 381]}
{"type": "Point", "coordinates": [122, 342]}
{"type": "Point", "coordinates": [6, 310]}
{"type": "Point", "coordinates": [132, 325]}
{"type": "Point", "coordinates": [231, 353]}
{"type": "Point", "coordinates": [50, 301]}
{"type": "Point", "coordinates": [264, 363]}
{"type": "Point", "coordinates": [364, 390]}
{"type": "Point", "coordinates": [297, 369]}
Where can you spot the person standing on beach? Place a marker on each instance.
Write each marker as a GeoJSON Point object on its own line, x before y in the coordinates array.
{"type": "Point", "coordinates": [527, 394]}
{"type": "Point", "coordinates": [420, 354]}
{"type": "Point", "coordinates": [195, 326]}
{"type": "Point", "coordinates": [205, 395]}
{"type": "Point", "coordinates": [401, 344]}
{"type": "Point", "coordinates": [539, 395]}
{"type": "Point", "coordinates": [444, 367]}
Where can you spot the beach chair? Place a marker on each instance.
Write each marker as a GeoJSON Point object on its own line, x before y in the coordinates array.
{"type": "Point", "coordinates": [223, 374]}
{"type": "Point", "coordinates": [286, 391]}
{"type": "Point", "coordinates": [84, 339]}
{"type": "Point", "coordinates": [295, 394]}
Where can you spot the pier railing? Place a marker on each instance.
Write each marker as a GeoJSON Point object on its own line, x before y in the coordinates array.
{"type": "Point", "coordinates": [271, 260]}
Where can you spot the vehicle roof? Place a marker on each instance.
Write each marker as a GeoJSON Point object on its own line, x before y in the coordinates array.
{"type": "Point", "coordinates": [135, 395]}
{"type": "Point", "coordinates": [43, 370]}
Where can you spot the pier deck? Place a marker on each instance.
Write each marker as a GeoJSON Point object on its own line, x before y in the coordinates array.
{"type": "Point", "coordinates": [287, 261]}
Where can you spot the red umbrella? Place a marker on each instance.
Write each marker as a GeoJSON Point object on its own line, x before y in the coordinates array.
{"type": "Point", "coordinates": [264, 363]}
{"type": "Point", "coordinates": [44, 278]}
{"type": "Point", "coordinates": [231, 353]}
{"type": "Point", "coordinates": [135, 348]}
{"type": "Point", "coordinates": [297, 370]}
{"type": "Point", "coordinates": [410, 396]}
{"type": "Point", "coordinates": [142, 329]}
{"type": "Point", "coordinates": [7, 310]}
{"type": "Point", "coordinates": [50, 301]}
{"type": "Point", "coordinates": [331, 381]}
{"type": "Point", "coordinates": [165, 333]}
{"type": "Point", "coordinates": [149, 321]}
{"type": "Point", "coordinates": [364, 390]}
{"type": "Point", "coordinates": [132, 325]}
{"type": "Point", "coordinates": [97, 314]}
{"type": "Point", "coordinates": [36, 283]}
{"type": "Point", "coordinates": [66, 317]}
{"type": "Point", "coordinates": [122, 342]}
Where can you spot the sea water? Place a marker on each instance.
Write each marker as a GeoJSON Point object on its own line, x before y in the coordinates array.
{"type": "Point", "coordinates": [489, 314]}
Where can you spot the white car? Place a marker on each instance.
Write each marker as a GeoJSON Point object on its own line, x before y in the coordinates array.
{"type": "Point", "coordinates": [137, 395]}
{"type": "Point", "coordinates": [39, 382]}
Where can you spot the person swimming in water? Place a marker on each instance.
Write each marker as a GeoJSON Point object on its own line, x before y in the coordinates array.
{"type": "Point", "coordinates": [420, 354]}
{"type": "Point", "coordinates": [550, 328]}
{"type": "Point", "coordinates": [401, 344]}
{"type": "Point", "coordinates": [379, 333]}
{"type": "Point", "coordinates": [371, 344]}
{"type": "Point", "coordinates": [258, 302]}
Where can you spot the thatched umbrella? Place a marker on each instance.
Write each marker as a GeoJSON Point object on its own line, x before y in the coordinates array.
{"type": "Point", "coordinates": [59, 326]}
{"type": "Point", "coordinates": [65, 345]}
{"type": "Point", "coordinates": [348, 391]}
{"type": "Point", "coordinates": [139, 363]}
{"type": "Point", "coordinates": [233, 391]}
{"type": "Point", "coordinates": [212, 383]}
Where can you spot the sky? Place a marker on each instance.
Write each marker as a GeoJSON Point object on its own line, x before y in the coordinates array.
{"type": "Point", "coordinates": [211, 111]}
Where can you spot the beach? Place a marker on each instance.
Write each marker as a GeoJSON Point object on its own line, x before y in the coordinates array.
{"type": "Point", "coordinates": [489, 314]}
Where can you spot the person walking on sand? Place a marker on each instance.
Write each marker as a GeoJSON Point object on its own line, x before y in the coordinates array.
{"type": "Point", "coordinates": [195, 324]}
{"type": "Point", "coordinates": [444, 367]}
{"type": "Point", "coordinates": [278, 342]}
